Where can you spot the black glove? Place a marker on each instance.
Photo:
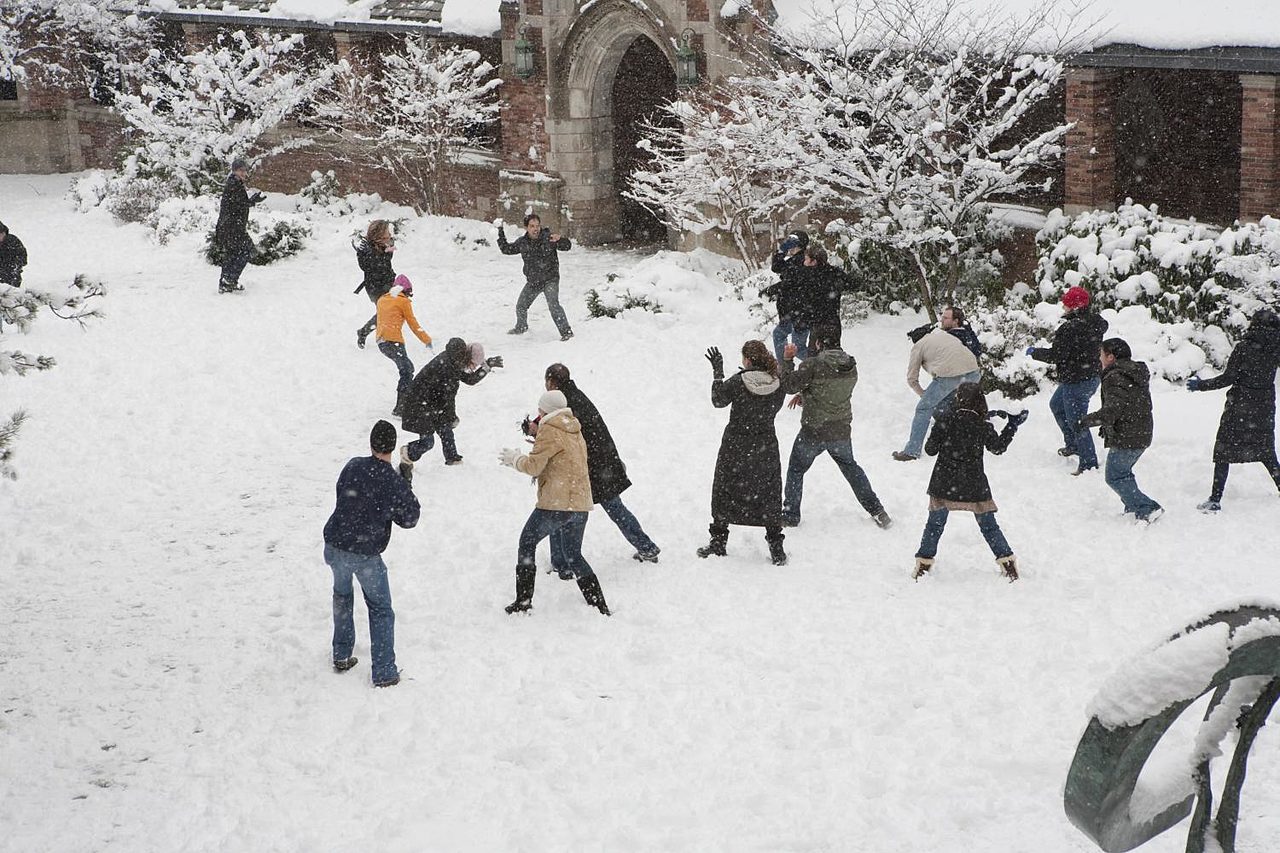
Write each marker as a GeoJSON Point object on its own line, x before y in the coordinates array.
{"type": "Point", "coordinates": [919, 332]}
{"type": "Point", "coordinates": [1018, 419]}
{"type": "Point", "coordinates": [494, 361]}
{"type": "Point", "coordinates": [717, 362]}
{"type": "Point", "coordinates": [998, 413]}
{"type": "Point", "coordinates": [256, 197]}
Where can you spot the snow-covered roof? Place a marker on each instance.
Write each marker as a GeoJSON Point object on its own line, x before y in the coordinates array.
{"type": "Point", "coordinates": [462, 17]}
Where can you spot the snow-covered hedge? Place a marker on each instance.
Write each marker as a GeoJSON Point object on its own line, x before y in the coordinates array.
{"type": "Point", "coordinates": [668, 282]}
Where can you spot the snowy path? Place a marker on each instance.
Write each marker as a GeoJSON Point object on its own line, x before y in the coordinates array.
{"type": "Point", "coordinates": [164, 641]}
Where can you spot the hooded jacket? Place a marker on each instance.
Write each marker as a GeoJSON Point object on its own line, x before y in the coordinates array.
{"type": "Point", "coordinates": [1125, 416]}
{"type": "Point", "coordinates": [826, 381]}
{"type": "Point", "coordinates": [1075, 347]}
{"type": "Point", "coordinates": [559, 462]}
{"type": "Point", "coordinates": [960, 439]}
{"type": "Point", "coordinates": [429, 404]}
{"type": "Point", "coordinates": [375, 263]}
{"type": "Point", "coordinates": [608, 473]}
{"type": "Point", "coordinates": [1247, 430]}
{"type": "Point", "coordinates": [747, 486]}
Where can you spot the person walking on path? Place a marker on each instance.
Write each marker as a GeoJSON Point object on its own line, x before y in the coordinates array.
{"type": "Point", "coordinates": [1126, 424]}
{"type": "Point", "coordinates": [430, 403]}
{"type": "Point", "coordinates": [605, 468]}
{"type": "Point", "coordinates": [825, 382]}
{"type": "Point", "coordinates": [1074, 353]}
{"type": "Point", "coordinates": [950, 361]}
{"type": "Point", "coordinates": [394, 311]}
{"type": "Point", "coordinates": [747, 487]}
{"type": "Point", "coordinates": [373, 253]}
{"type": "Point", "coordinates": [231, 234]}
{"type": "Point", "coordinates": [959, 483]}
{"type": "Point", "coordinates": [558, 461]}
{"type": "Point", "coordinates": [538, 247]}
{"type": "Point", "coordinates": [1247, 431]}
{"type": "Point", "coordinates": [13, 257]}
{"type": "Point", "coordinates": [371, 497]}
{"type": "Point", "coordinates": [790, 292]}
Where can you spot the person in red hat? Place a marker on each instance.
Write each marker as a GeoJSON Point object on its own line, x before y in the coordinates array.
{"type": "Point", "coordinates": [1074, 354]}
{"type": "Point", "coordinates": [394, 311]}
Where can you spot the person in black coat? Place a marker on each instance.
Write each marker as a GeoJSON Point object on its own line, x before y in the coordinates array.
{"type": "Point", "coordinates": [429, 408]}
{"type": "Point", "coordinates": [959, 439]}
{"type": "Point", "coordinates": [1075, 355]}
{"type": "Point", "coordinates": [747, 488]}
{"type": "Point", "coordinates": [1126, 424]}
{"type": "Point", "coordinates": [1247, 431]}
{"type": "Point", "coordinates": [231, 235]}
{"type": "Point", "coordinates": [790, 294]}
{"type": "Point", "coordinates": [538, 247]}
{"type": "Point", "coordinates": [13, 257]}
{"type": "Point", "coordinates": [823, 285]}
{"type": "Point", "coordinates": [373, 254]}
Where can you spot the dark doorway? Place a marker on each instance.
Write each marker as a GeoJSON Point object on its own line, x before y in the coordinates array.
{"type": "Point", "coordinates": [645, 81]}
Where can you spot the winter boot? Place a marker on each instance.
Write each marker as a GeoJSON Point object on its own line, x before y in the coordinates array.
{"type": "Point", "coordinates": [1210, 506]}
{"type": "Point", "coordinates": [517, 330]}
{"type": "Point", "coordinates": [882, 519]}
{"type": "Point", "coordinates": [389, 682]}
{"type": "Point", "coordinates": [406, 465]}
{"type": "Point", "coordinates": [719, 538]}
{"type": "Point", "coordinates": [1066, 451]}
{"type": "Point", "coordinates": [923, 565]}
{"type": "Point", "coordinates": [525, 577]}
{"type": "Point", "coordinates": [1009, 567]}
{"type": "Point", "coordinates": [903, 456]}
{"type": "Point", "coordinates": [646, 556]}
{"type": "Point", "coordinates": [776, 554]}
{"type": "Point", "coordinates": [567, 335]}
{"type": "Point", "coordinates": [345, 664]}
{"type": "Point", "coordinates": [592, 594]}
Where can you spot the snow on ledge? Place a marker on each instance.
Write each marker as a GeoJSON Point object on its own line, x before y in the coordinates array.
{"type": "Point", "coordinates": [471, 17]}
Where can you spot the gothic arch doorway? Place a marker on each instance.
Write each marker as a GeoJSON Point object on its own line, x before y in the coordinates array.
{"type": "Point", "coordinates": [643, 83]}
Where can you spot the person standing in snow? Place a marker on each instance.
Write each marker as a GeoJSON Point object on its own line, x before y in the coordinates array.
{"type": "Point", "coordinates": [949, 357]}
{"type": "Point", "coordinates": [394, 311]}
{"type": "Point", "coordinates": [231, 235]}
{"type": "Point", "coordinates": [790, 293]}
{"type": "Point", "coordinates": [13, 257]}
{"type": "Point", "coordinates": [558, 461]}
{"type": "Point", "coordinates": [371, 497]}
{"type": "Point", "coordinates": [429, 404]}
{"type": "Point", "coordinates": [1074, 353]}
{"type": "Point", "coordinates": [604, 466]}
{"type": "Point", "coordinates": [373, 253]}
{"type": "Point", "coordinates": [824, 285]}
{"type": "Point", "coordinates": [825, 382]}
{"type": "Point", "coordinates": [1126, 424]}
{"type": "Point", "coordinates": [959, 483]}
{"type": "Point", "coordinates": [747, 487]}
{"type": "Point", "coordinates": [538, 247]}
{"type": "Point", "coordinates": [1247, 431]}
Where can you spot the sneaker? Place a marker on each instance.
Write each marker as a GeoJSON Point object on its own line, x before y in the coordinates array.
{"type": "Point", "coordinates": [1066, 451]}
{"type": "Point", "coordinates": [518, 330]}
{"type": "Point", "coordinates": [390, 682]}
{"type": "Point", "coordinates": [903, 456]}
{"type": "Point", "coordinates": [567, 335]}
{"type": "Point", "coordinates": [882, 520]}
{"type": "Point", "coordinates": [1152, 517]}
{"type": "Point", "coordinates": [457, 460]}
{"type": "Point", "coordinates": [519, 606]}
{"type": "Point", "coordinates": [345, 664]}
{"type": "Point", "coordinates": [406, 464]}
{"type": "Point", "coordinates": [715, 549]}
{"type": "Point", "coordinates": [645, 556]}
{"type": "Point", "coordinates": [1082, 469]}
{"type": "Point", "coordinates": [1210, 506]}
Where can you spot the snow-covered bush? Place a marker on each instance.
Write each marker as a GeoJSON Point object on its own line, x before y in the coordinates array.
{"type": "Point", "coordinates": [612, 304]}
{"type": "Point", "coordinates": [323, 196]}
{"type": "Point", "coordinates": [61, 41]}
{"type": "Point", "coordinates": [275, 235]}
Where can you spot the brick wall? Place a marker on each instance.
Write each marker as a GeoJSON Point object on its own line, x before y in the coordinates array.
{"type": "Point", "coordinates": [1259, 146]}
{"type": "Point", "coordinates": [698, 11]}
{"type": "Point", "coordinates": [1091, 153]}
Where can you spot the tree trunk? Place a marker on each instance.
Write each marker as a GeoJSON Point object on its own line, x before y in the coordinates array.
{"type": "Point", "coordinates": [926, 294]}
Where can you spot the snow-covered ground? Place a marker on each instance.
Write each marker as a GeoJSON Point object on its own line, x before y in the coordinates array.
{"type": "Point", "coordinates": [164, 641]}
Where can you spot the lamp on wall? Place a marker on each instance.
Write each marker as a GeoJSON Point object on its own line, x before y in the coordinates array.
{"type": "Point", "coordinates": [524, 55]}
{"type": "Point", "coordinates": [686, 60]}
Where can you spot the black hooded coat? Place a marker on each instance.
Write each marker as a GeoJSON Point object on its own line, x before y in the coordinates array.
{"type": "Point", "coordinates": [429, 402]}
{"type": "Point", "coordinates": [747, 488]}
{"type": "Point", "coordinates": [1247, 431]}
{"type": "Point", "coordinates": [605, 468]}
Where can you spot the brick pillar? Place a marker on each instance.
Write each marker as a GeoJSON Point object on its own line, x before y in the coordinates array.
{"type": "Point", "coordinates": [524, 118]}
{"type": "Point", "coordinates": [1091, 144]}
{"type": "Point", "coordinates": [1259, 146]}
{"type": "Point", "coordinates": [697, 10]}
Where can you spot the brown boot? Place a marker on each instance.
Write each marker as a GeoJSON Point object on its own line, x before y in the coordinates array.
{"type": "Point", "coordinates": [1008, 567]}
{"type": "Point", "coordinates": [923, 565]}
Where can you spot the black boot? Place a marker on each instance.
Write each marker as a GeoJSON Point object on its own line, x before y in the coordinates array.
{"type": "Point", "coordinates": [525, 576]}
{"type": "Point", "coordinates": [592, 594]}
{"type": "Point", "coordinates": [774, 538]}
{"type": "Point", "coordinates": [719, 539]}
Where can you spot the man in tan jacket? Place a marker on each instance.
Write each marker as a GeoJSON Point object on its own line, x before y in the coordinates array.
{"type": "Point", "coordinates": [950, 362]}
{"type": "Point", "coordinates": [558, 462]}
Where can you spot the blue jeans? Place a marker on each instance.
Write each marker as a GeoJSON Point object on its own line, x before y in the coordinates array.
{"type": "Point", "coordinates": [799, 336]}
{"type": "Point", "coordinates": [530, 292]}
{"type": "Point", "coordinates": [1069, 404]}
{"type": "Point", "coordinates": [397, 353]}
{"type": "Point", "coordinates": [939, 390]}
{"type": "Point", "coordinates": [1119, 475]}
{"type": "Point", "coordinates": [627, 523]}
{"type": "Point", "coordinates": [570, 527]}
{"type": "Point", "coordinates": [427, 441]}
{"type": "Point", "coordinates": [372, 574]}
{"type": "Point", "coordinates": [804, 451]}
{"type": "Point", "coordinates": [236, 259]}
{"type": "Point", "coordinates": [937, 522]}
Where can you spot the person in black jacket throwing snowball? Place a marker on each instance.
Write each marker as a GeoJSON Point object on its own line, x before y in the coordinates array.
{"type": "Point", "coordinates": [538, 247]}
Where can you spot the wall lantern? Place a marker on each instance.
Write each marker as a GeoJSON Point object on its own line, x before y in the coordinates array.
{"type": "Point", "coordinates": [524, 55]}
{"type": "Point", "coordinates": [686, 60]}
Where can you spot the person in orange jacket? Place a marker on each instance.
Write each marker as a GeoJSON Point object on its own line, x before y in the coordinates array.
{"type": "Point", "coordinates": [394, 311]}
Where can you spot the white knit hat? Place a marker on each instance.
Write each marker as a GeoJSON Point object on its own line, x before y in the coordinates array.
{"type": "Point", "coordinates": [552, 401]}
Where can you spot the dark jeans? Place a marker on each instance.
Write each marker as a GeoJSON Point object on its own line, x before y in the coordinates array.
{"type": "Point", "coordinates": [397, 353]}
{"type": "Point", "coordinates": [799, 336]}
{"type": "Point", "coordinates": [428, 440]}
{"type": "Point", "coordinates": [531, 291]}
{"type": "Point", "coordinates": [804, 451]}
{"type": "Point", "coordinates": [1069, 404]}
{"type": "Point", "coordinates": [372, 574]}
{"type": "Point", "coordinates": [1119, 475]}
{"type": "Point", "coordinates": [237, 258]}
{"type": "Point", "coordinates": [1221, 469]}
{"type": "Point", "coordinates": [621, 516]}
{"type": "Point", "coordinates": [937, 522]}
{"type": "Point", "coordinates": [548, 522]}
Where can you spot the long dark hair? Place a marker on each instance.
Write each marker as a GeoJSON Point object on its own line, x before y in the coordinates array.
{"type": "Point", "coordinates": [969, 396]}
{"type": "Point", "coordinates": [760, 357]}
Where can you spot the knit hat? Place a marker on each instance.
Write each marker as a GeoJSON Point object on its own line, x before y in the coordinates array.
{"type": "Point", "coordinates": [457, 351]}
{"type": "Point", "coordinates": [552, 401]}
{"type": "Point", "coordinates": [1075, 297]}
{"type": "Point", "coordinates": [406, 286]}
{"type": "Point", "coordinates": [383, 437]}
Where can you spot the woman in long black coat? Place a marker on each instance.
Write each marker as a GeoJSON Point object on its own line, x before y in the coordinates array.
{"type": "Point", "coordinates": [747, 488]}
{"type": "Point", "coordinates": [1247, 431]}
{"type": "Point", "coordinates": [374, 253]}
{"type": "Point", "coordinates": [960, 439]}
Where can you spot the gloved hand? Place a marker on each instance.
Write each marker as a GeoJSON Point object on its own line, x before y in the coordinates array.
{"type": "Point", "coordinates": [498, 223]}
{"type": "Point", "coordinates": [1030, 350]}
{"type": "Point", "coordinates": [256, 197]}
{"type": "Point", "coordinates": [1018, 419]}
{"type": "Point", "coordinates": [1194, 383]}
{"type": "Point", "coordinates": [509, 456]}
{"type": "Point", "coordinates": [494, 361]}
{"type": "Point", "coordinates": [717, 362]}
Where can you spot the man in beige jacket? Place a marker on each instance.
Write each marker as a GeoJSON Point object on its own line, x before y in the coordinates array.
{"type": "Point", "coordinates": [950, 362]}
{"type": "Point", "coordinates": [558, 461]}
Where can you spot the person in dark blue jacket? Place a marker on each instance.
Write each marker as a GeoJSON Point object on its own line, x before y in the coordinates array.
{"type": "Point", "coordinates": [538, 247]}
{"type": "Point", "coordinates": [371, 497]}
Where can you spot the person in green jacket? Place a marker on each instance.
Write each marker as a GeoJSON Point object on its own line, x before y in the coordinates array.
{"type": "Point", "coordinates": [825, 383]}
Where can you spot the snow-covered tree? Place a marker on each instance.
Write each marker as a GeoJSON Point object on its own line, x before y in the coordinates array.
{"type": "Point", "coordinates": [413, 115]}
{"type": "Point", "coordinates": [61, 40]}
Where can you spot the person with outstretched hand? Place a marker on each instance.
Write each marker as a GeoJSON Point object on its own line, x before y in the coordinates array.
{"type": "Point", "coordinates": [538, 247]}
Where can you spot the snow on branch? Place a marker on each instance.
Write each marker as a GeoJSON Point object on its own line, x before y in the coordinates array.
{"type": "Point", "coordinates": [60, 40]}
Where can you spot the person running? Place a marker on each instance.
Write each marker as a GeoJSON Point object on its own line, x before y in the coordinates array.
{"type": "Point", "coordinates": [747, 487]}
{"type": "Point", "coordinates": [949, 359]}
{"type": "Point", "coordinates": [1247, 431]}
{"type": "Point", "coordinates": [959, 440]}
{"type": "Point", "coordinates": [558, 461]}
{"type": "Point", "coordinates": [370, 499]}
{"type": "Point", "coordinates": [1126, 424]}
{"type": "Point", "coordinates": [825, 382]}
{"type": "Point", "coordinates": [373, 253]}
{"type": "Point", "coordinates": [429, 404]}
{"type": "Point", "coordinates": [790, 292]}
{"type": "Point", "coordinates": [538, 247]}
{"type": "Point", "coordinates": [394, 311]}
{"type": "Point", "coordinates": [231, 234]}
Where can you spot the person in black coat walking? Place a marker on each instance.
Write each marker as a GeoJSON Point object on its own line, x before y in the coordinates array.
{"type": "Point", "coordinates": [231, 235]}
{"type": "Point", "coordinates": [959, 439]}
{"type": "Point", "coordinates": [13, 257]}
{"type": "Point", "coordinates": [373, 254]}
{"type": "Point", "coordinates": [1126, 424]}
{"type": "Point", "coordinates": [538, 247]}
{"type": "Point", "coordinates": [747, 488]}
{"type": "Point", "coordinates": [1247, 431]}
{"type": "Point", "coordinates": [790, 293]}
{"type": "Point", "coordinates": [429, 404]}
{"type": "Point", "coordinates": [605, 468]}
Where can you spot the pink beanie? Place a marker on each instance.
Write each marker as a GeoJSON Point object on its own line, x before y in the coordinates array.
{"type": "Point", "coordinates": [402, 282]}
